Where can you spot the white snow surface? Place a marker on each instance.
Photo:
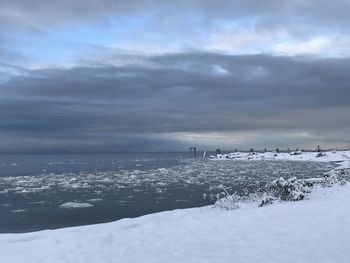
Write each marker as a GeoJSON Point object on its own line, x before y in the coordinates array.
{"type": "Point", "coordinates": [343, 165]}
{"type": "Point", "coordinates": [316, 230]}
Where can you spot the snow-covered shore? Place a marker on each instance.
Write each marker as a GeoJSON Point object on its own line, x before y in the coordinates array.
{"type": "Point", "coordinates": [327, 156]}
{"type": "Point", "coordinates": [316, 230]}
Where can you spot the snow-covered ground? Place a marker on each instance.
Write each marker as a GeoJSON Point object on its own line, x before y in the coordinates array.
{"type": "Point", "coordinates": [328, 156]}
{"type": "Point", "coordinates": [316, 230]}
{"type": "Point", "coordinates": [313, 230]}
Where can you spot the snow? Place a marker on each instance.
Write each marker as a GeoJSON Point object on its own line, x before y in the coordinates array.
{"type": "Point", "coordinates": [313, 230]}
{"type": "Point", "coordinates": [74, 205]}
{"type": "Point", "coordinates": [344, 165]}
{"type": "Point", "coordinates": [316, 230]}
{"type": "Point", "coordinates": [327, 156]}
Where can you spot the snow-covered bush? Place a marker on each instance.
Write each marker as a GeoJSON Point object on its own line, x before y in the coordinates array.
{"type": "Point", "coordinates": [266, 200]}
{"type": "Point", "coordinates": [292, 189]}
{"type": "Point", "coordinates": [227, 202]}
{"type": "Point", "coordinates": [289, 190]}
{"type": "Point", "coordinates": [341, 176]}
{"type": "Point", "coordinates": [320, 155]}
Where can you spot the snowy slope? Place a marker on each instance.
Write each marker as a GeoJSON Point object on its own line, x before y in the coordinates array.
{"type": "Point", "coordinates": [316, 230]}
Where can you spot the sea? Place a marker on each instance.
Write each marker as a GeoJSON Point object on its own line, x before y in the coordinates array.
{"type": "Point", "coordinates": [49, 191]}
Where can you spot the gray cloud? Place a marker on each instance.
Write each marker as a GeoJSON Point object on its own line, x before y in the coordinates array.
{"type": "Point", "coordinates": [106, 107]}
{"type": "Point", "coordinates": [292, 14]}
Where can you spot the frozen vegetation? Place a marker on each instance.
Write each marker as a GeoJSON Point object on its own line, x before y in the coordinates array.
{"type": "Point", "coordinates": [279, 226]}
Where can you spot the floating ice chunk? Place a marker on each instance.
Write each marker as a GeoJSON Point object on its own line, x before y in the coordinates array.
{"type": "Point", "coordinates": [74, 205]}
{"type": "Point", "coordinates": [19, 211]}
{"type": "Point", "coordinates": [95, 200]}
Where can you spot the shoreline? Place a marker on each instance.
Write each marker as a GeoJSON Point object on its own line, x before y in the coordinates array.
{"type": "Point", "coordinates": [282, 232]}
{"type": "Point", "coordinates": [325, 156]}
{"type": "Point", "coordinates": [305, 231]}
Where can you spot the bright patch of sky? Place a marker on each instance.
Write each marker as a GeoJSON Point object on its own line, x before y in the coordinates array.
{"type": "Point", "coordinates": [60, 45]}
{"type": "Point", "coordinates": [149, 33]}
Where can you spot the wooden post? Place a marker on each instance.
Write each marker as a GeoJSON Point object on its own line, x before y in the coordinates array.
{"type": "Point", "coordinates": [194, 150]}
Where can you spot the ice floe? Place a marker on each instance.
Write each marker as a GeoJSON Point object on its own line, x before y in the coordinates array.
{"type": "Point", "coordinates": [74, 205]}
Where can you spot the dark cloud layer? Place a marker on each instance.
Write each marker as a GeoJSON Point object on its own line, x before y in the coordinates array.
{"type": "Point", "coordinates": [123, 102]}
{"type": "Point", "coordinates": [139, 107]}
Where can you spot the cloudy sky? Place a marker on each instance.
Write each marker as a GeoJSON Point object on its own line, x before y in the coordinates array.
{"type": "Point", "coordinates": [142, 75]}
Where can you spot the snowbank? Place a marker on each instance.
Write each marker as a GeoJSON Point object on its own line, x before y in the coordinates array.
{"type": "Point", "coordinates": [316, 230]}
{"type": "Point", "coordinates": [328, 156]}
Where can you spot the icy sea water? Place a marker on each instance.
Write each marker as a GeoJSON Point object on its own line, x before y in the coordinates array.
{"type": "Point", "coordinates": [51, 191]}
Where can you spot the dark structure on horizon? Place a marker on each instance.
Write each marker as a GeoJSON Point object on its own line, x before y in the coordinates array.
{"type": "Point", "coordinates": [194, 151]}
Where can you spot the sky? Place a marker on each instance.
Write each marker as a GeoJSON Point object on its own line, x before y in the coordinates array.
{"type": "Point", "coordinates": [103, 75]}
